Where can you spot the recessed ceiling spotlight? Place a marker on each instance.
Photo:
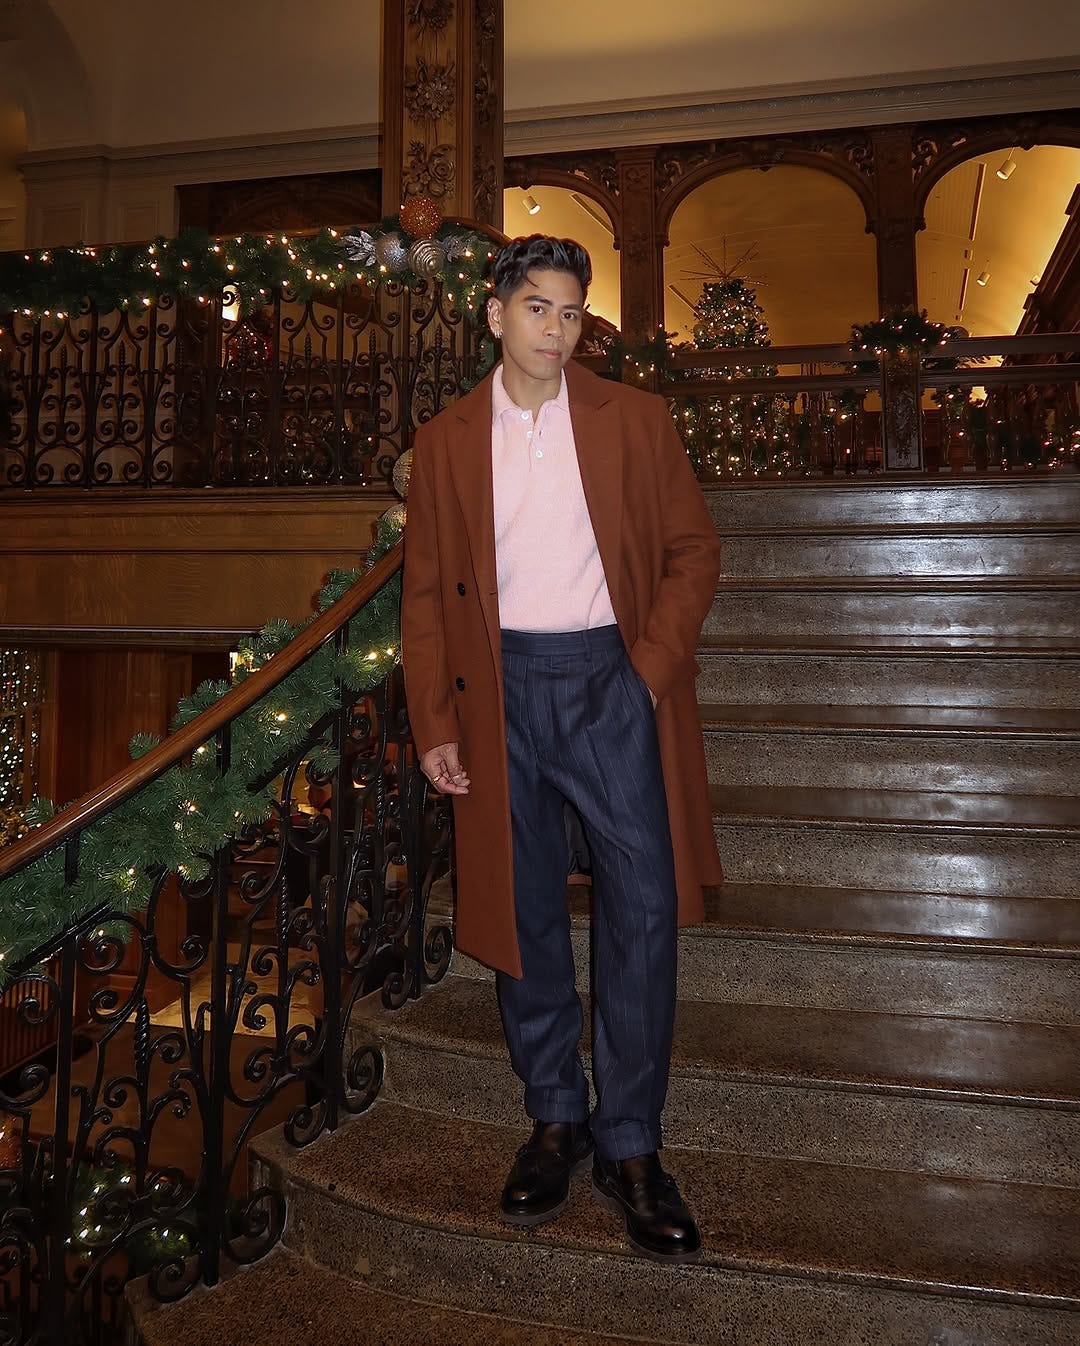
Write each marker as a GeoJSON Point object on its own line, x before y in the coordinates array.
{"type": "Point", "coordinates": [532, 205]}
{"type": "Point", "coordinates": [1007, 169]}
{"type": "Point", "coordinates": [1037, 280]}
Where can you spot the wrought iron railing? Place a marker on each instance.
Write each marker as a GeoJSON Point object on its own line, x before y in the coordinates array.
{"type": "Point", "coordinates": [983, 404]}
{"type": "Point", "coordinates": [178, 394]}
{"type": "Point", "coordinates": [129, 1158]}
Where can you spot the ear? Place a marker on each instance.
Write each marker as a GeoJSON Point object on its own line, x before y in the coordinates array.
{"type": "Point", "coordinates": [494, 316]}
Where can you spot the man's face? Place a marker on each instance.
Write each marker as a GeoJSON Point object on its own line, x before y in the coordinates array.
{"type": "Point", "coordinates": [540, 323]}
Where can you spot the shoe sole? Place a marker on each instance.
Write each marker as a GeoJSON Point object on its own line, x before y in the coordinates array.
{"type": "Point", "coordinates": [613, 1204]}
{"type": "Point", "coordinates": [534, 1218]}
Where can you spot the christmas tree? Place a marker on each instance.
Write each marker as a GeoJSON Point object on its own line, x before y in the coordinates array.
{"type": "Point", "coordinates": [737, 434]}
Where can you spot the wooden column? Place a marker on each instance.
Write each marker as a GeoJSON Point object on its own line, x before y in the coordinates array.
{"type": "Point", "coordinates": [895, 225]}
{"type": "Point", "coordinates": [442, 106]}
{"type": "Point", "coordinates": [641, 246]}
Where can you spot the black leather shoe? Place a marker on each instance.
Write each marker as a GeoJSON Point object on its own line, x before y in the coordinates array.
{"type": "Point", "coordinates": [658, 1223]}
{"type": "Point", "coordinates": [538, 1187]}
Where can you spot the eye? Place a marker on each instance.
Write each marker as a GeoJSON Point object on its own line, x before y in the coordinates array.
{"type": "Point", "coordinates": [571, 316]}
{"type": "Point", "coordinates": [536, 308]}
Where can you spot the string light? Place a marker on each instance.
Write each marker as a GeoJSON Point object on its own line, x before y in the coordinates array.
{"type": "Point", "coordinates": [21, 697]}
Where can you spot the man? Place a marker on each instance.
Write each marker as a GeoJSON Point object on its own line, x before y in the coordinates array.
{"type": "Point", "coordinates": [559, 562]}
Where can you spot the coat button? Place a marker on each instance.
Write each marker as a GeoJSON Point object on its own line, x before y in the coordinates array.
{"type": "Point", "coordinates": [461, 589]}
{"type": "Point", "coordinates": [460, 684]}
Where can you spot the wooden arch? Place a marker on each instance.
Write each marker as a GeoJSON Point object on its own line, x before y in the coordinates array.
{"type": "Point", "coordinates": [680, 182]}
{"type": "Point", "coordinates": [599, 186]}
{"type": "Point", "coordinates": [938, 151]}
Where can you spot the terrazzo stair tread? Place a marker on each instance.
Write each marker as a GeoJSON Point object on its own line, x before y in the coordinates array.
{"type": "Point", "coordinates": [738, 666]}
{"type": "Point", "coordinates": [939, 921]}
{"type": "Point", "coordinates": [885, 528]}
{"type": "Point", "coordinates": [972, 1238]}
{"type": "Point", "coordinates": [896, 551]}
{"type": "Point", "coordinates": [917, 646]}
{"type": "Point", "coordinates": [1014, 814]}
{"type": "Point", "coordinates": [896, 500]}
{"type": "Point", "coordinates": [901, 584]}
{"type": "Point", "coordinates": [981, 721]}
{"type": "Point", "coordinates": [323, 1308]}
{"type": "Point", "coordinates": [971, 1060]}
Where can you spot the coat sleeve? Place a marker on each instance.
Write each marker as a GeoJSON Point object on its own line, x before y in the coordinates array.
{"type": "Point", "coordinates": [423, 634]}
{"type": "Point", "coordinates": [666, 647]}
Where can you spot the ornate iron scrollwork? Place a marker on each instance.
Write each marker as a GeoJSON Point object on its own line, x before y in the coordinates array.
{"type": "Point", "coordinates": [130, 1158]}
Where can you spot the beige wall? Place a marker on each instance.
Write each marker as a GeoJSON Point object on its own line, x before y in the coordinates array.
{"type": "Point", "coordinates": [127, 99]}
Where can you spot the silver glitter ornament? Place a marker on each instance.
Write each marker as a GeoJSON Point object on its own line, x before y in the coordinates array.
{"type": "Point", "coordinates": [392, 252]}
{"type": "Point", "coordinates": [426, 257]}
{"type": "Point", "coordinates": [402, 473]}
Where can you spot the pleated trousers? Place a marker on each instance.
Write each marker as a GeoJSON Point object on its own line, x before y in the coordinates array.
{"type": "Point", "coordinates": [580, 727]}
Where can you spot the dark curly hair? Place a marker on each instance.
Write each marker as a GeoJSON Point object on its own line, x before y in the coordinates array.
{"type": "Point", "coordinates": [512, 264]}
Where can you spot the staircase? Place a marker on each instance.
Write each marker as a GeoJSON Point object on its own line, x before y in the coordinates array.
{"type": "Point", "coordinates": [875, 1097]}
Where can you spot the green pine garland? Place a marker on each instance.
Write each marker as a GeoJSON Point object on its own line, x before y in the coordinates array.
{"type": "Point", "coordinates": [179, 821]}
{"type": "Point", "coordinates": [902, 332]}
{"type": "Point", "coordinates": [54, 283]}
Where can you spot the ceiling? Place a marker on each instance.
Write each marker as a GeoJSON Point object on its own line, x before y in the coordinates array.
{"type": "Point", "coordinates": [977, 223]}
{"type": "Point", "coordinates": [127, 73]}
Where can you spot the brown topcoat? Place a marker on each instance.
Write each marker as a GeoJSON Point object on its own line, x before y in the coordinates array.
{"type": "Point", "coordinates": [661, 557]}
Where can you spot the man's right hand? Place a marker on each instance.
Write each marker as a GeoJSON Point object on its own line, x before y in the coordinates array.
{"type": "Point", "coordinates": [443, 769]}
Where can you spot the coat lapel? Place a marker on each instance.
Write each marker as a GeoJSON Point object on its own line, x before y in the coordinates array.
{"type": "Point", "coordinates": [470, 468]}
{"type": "Point", "coordinates": [598, 438]}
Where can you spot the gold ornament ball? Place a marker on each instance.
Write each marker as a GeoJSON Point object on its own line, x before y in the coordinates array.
{"type": "Point", "coordinates": [395, 515]}
{"type": "Point", "coordinates": [420, 216]}
{"type": "Point", "coordinates": [426, 257]}
{"type": "Point", "coordinates": [402, 473]}
{"type": "Point", "coordinates": [392, 252]}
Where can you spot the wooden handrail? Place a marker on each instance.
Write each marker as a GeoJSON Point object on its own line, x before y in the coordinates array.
{"type": "Point", "coordinates": [87, 810]}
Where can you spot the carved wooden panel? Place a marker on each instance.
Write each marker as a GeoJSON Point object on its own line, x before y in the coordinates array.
{"type": "Point", "coordinates": [309, 201]}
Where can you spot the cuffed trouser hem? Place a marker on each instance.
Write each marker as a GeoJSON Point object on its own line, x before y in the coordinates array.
{"type": "Point", "coordinates": [626, 1140]}
{"type": "Point", "coordinates": [555, 1105]}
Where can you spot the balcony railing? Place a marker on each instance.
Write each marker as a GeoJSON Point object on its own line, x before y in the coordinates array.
{"type": "Point", "coordinates": [123, 1151]}
{"type": "Point", "coordinates": [330, 392]}
{"type": "Point", "coordinates": [985, 404]}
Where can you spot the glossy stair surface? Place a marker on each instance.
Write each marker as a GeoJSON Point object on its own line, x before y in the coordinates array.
{"type": "Point", "coordinates": [288, 1298]}
{"type": "Point", "coordinates": [407, 1200]}
{"type": "Point", "coordinates": [874, 1105]}
{"type": "Point", "coordinates": [944, 1094]}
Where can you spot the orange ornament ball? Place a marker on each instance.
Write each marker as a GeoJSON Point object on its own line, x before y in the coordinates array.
{"type": "Point", "coordinates": [420, 216]}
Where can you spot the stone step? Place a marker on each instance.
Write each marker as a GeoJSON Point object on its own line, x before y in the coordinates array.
{"type": "Point", "coordinates": [852, 917]}
{"type": "Point", "coordinates": [958, 549]}
{"type": "Point", "coordinates": [1013, 609]}
{"type": "Point", "coordinates": [896, 502]}
{"type": "Point", "coordinates": [1002, 750]}
{"type": "Point", "coordinates": [794, 1252]}
{"type": "Point", "coordinates": [965, 1097]}
{"type": "Point", "coordinates": [914, 841]}
{"type": "Point", "coordinates": [898, 669]}
{"type": "Point", "coordinates": [911, 953]}
{"type": "Point", "coordinates": [322, 1308]}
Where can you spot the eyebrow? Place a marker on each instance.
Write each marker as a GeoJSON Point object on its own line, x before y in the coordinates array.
{"type": "Point", "coordinates": [549, 303]}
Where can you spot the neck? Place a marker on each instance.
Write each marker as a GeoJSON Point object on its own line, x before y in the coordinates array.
{"type": "Point", "coordinates": [526, 392]}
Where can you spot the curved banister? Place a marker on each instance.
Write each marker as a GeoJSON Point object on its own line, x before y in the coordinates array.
{"type": "Point", "coordinates": [174, 749]}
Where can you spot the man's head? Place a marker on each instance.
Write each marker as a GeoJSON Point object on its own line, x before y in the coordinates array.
{"type": "Point", "coordinates": [537, 301]}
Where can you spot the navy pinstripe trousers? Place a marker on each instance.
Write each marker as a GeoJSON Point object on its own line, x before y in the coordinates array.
{"type": "Point", "coordinates": [580, 727]}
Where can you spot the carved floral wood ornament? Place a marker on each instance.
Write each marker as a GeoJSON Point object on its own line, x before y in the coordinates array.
{"type": "Point", "coordinates": [442, 105]}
